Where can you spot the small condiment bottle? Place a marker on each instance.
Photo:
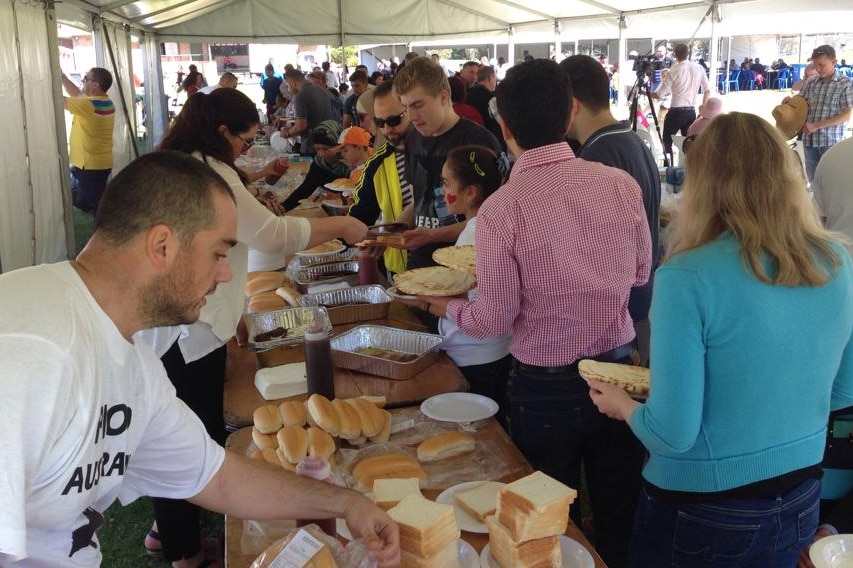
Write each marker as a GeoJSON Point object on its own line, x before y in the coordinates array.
{"type": "Point", "coordinates": [319, 469]}
{"type": "Point", "coordinates": [368, 268]}
{"type": "Point", "coordinates": [318, 362]}
{"type": "Point", "coordinates": [280, 167]}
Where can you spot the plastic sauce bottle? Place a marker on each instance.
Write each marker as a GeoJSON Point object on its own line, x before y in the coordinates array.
{"type": "Point", "coordinates": [318, 362]}
{"type": "Point", "coordinates": [280, 167]}
{"type": "Point", "coordinates": [319, 469]}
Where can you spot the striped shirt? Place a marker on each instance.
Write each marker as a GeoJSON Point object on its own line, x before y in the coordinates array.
{"type": "Point", "coordinates": [827, 98]}
{"type": "Point", "coordinates": [559, 248]}
{"type": "Point", "coordinates": [91, 140]}
{"type": "Point", "coordinates": [405, 185]}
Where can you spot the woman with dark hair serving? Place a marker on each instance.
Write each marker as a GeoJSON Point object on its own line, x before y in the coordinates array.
{"type": "Point", "coordinates": [751, 325]}
{"type": "Point", "coordinates": [217, 128]}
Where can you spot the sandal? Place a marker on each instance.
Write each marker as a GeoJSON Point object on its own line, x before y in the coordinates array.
{"type": "Point", "coordinates": [155, 537]}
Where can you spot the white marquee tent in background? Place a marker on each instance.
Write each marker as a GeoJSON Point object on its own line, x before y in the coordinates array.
{"type": "Point", "coordinates": [35, 211]}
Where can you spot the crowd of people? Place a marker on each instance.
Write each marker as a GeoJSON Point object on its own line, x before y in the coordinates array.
{"type": "Point", "coordinates": [121, 352]}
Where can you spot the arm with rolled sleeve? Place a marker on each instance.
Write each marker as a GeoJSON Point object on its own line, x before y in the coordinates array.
{"type": "Point", "coordinates": [498, 301]}
{"type": "Point", "coordinates": [671, 419]}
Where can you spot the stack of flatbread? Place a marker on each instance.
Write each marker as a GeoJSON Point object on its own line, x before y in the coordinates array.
{"type": "Point", "coordinates": [434, 281]}
{"type": "Point", "coordinates": [324, 248]}
{"type": "Point", "coordinates": [462, 258]}
{"type": "Point", "coordinates": [633, 379]}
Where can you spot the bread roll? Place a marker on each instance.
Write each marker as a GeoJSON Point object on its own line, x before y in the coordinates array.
{"type": "Point", "coordinates": [265, 302]}
{"type": "Point", "coordinates": [270, 455]}
{"type": "Point", "coordinates": [378, 400]}
{"type": "Point", "coordinates": [370, 416]}
{"type": "Point", "coordinates": [267, 419]}
{"type": "Point", "coordinates": [387, 466]}
{"type": "Point", "coordinates": [285, 463]}
{"type": "Point", "coordinates": [292, 413]}
{"type": "Point", "coordinates": [385, 433]}
{"type": "Point", "coordinates": [289, 295]}
{"type": "Point", "coordinates": [293, 442]}
{"type": "Point", "coordinates": [264, 440]}
{"type": "Point", "coordinates": [262, 282]}
{"type": "Point", "coordinates": [445, 445]}
{"type": "Point", "coordinates": [323, 413]}
{"type": "Point", "coordinates": [320, 443]}
{"type": "Point", "coordinates": [350, 425]}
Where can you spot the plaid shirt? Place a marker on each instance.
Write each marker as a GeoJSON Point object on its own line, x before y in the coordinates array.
{"type": "Point", "coordinates": [827, 98]}
{"type": "Point", "coordinates": [559, 248]}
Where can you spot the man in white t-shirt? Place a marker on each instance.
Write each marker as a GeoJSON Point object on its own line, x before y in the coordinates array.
{"type": "Point", "coordinates": [90, 416]}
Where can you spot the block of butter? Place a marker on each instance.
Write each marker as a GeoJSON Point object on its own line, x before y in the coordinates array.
{"type": "Point", "coordinates": [282, 381]}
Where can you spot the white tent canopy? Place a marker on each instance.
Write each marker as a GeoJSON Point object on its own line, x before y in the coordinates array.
{"type": "Point", "coordinates": [35, 211]}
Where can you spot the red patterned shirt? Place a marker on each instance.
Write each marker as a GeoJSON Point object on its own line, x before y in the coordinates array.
{"type": "Point", "coordinates": [559, 248]}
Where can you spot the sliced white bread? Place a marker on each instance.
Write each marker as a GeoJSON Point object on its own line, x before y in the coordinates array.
{"type": "Point", "coordinates": [389, 492]}
{"type": "Point", "coordinates": [480, 501]}
{"type": "Point", "coordinates": [425, 527]}
{"type": "Point", "coordinates": [447, 557]}
{"type": "Point", "coordinates": [536, 553]}
{"type": "Point", "coordinates": [535, 506]}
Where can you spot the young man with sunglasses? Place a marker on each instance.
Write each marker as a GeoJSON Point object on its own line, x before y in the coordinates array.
{"type": "Point", "coordinates": [383, 192]}
{"type": "Point", "coordinates": [424, 93]}
{"type": "Point", "coordinates": [91, 142]}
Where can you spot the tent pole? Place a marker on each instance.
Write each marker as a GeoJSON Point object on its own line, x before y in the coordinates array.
{"type": "Point", "coordinates": [622, 60]}
{"type": "Point", "coordinates": [715, 48]}
{"type": "Point", "coordinates": [510, 46]}
{"type": "Point", "coordinates": [130, 125]}
{"type": "Point", "coordinates": [343, 35]}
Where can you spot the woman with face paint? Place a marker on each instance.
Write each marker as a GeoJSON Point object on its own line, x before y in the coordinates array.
{"type": "Point", "coordinates": [471, 174]}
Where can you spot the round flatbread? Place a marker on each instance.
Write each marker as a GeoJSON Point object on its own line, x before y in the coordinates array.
{"type": "Point", "coordinates": [341, 184]}
{"type": "Point", "coordinates": [630, 378]}
{"type": "Point", "coordinates": [329, 247]}
{"type": "Point", "coordinates": [434, 281]}
{"type": "Point", "coordinates": [463, 257]}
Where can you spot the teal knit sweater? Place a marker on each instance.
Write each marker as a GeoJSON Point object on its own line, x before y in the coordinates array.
{"type": "Point", "coordinates": [743, 373]}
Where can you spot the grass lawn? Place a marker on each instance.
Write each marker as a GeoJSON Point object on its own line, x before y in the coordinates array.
{"type": "Point", "coordinates": [124, 531]}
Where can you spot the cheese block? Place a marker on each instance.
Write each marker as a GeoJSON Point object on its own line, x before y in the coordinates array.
{"type": "Point", "coordinates": [537, 553]}
{"type": "Point", "coordinates": [282, 381]}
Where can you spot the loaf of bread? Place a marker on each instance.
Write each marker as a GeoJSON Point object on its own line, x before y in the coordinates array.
{"type": "Point", "coordinates": [265, 302]}
{"type": "Point", "coordinates": [387, 466]}
{"type": "Point", "coordinates": [320, 443]}
{"type": "Point", "coordinates": [377, 400]}
{"type": "Point", "coordinates": [264, 440]}
{"type": "Point", "coordinates": [388, 493]}
{"type": "Point", "coordinates": [322, 413]}
{"type": "Point", "coordinates": [350, 424]}
{"type": "Point", "coordinates": [426, 528]}
{"type": "Point", "coordinates": [534, 506]}
{"type": "Point", "coordinates": [292, 413]}
{"type": "Point", "coordinates": [445, 445]}
{"type": "Point", "coordinates": [480, 501]}
{"type": "Point", "coordinates": [257, 282]}
{"type": "Point", "coordinates": [267, 419]}
{"type": "Point", "coordinates": [540, 552]}
{"type": "Point", "coordinates": [293, 442]}
{"type": "Point", "coordinates": [311, 538]}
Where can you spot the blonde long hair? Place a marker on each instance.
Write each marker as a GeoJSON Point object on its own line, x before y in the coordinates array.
{"type": "Point", "coordinates": [742, 177]}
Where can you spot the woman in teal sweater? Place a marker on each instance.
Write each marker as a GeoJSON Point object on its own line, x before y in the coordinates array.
{"type": "Point", "coordinates": [752, 316]}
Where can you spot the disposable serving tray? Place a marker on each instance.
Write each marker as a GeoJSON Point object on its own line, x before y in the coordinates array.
{"type": "Point", "coordinates": [295, 320]}
{"type": "Point", "coordinates": [348, 305]}
{"type": "Point", "coordinates": [424, 345]}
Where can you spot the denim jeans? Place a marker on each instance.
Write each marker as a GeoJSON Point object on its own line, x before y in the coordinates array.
{"type": "Point", "coordinates": [812, 155]}
{"type": "Point", "coordinates": [556, 426]}
{"type": "Point", "coordinates": [87, 187]}
{"type": "Point", "coordinates": [761, 533]}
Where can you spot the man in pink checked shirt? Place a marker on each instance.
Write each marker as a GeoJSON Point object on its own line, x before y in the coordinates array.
{"type": "Point", "coordinates": [559, 248]}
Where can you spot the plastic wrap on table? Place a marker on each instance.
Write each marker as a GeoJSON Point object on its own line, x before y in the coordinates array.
{"type": "Point", "coordinates": [352, 555]}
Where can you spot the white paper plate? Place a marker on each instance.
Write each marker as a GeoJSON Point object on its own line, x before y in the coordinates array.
{"type": "Point", "coordinates": [392, 291]}
{"type": "Point", "coordinates": [332, 250]}
{"type": "Point", "coordinates": [465, 521]}
{"type": "Point", "coordinates": [574, 555]}
{"type": "Point", "coordinates": [459, 407]}
{"type": "Point", "coordinates": [833, 552]}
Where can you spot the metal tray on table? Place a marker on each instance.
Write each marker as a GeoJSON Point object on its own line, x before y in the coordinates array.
{"type": "Point", "coordinates": [296, 322]}
{"type": "Point", "coordinates": [349, 305]}
{"type": "Point", "coordinates": [423, 345]}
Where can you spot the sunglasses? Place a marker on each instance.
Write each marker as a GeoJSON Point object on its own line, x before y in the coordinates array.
{"type": "Point", "coordinates": [391, 121]}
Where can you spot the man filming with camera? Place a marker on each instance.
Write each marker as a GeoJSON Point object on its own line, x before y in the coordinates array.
{"type": "Point", "coordinates": [683, 82]}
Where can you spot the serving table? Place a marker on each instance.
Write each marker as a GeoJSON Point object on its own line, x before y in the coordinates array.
{"type": "Point", "coordinates": [241, 398]}
{"type": "Point", "coordinates": [487, 432]}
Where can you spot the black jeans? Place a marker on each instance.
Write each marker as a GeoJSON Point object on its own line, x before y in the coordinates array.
{"type": "Point", "coordinates": [200, 385]}
{"type": "Point", "coordinates": [557, 427]}
{"type": "Point", "coordinates": [87, 187]}
{"type": "Point", "coordinates": [492, 380]}
{"type": "Point", "coordinates": [677, 119]}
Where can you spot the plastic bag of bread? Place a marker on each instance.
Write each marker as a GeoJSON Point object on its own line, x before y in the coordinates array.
{"type": "Point", "coordinates": [310, 547]}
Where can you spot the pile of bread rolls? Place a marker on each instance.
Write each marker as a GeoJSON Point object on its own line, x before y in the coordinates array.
{"type": "Point", "coordinates": [270, 291]}
{"type": "Point", "coordinates": [281, 435]}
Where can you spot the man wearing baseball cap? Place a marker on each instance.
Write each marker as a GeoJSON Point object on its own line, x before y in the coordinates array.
{"type": "Point", "coordinates": [354, 146]}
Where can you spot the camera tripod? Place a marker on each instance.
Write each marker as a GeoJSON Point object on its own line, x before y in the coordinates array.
{"type": "Point", "coordinates": [641, 87]}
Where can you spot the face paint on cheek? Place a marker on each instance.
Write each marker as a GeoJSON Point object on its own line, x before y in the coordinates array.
{"type": "Point", "coordinates": [450, 198]}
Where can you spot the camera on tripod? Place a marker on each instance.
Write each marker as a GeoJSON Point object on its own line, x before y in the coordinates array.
{"type": "Point", "coordinates": [645, 64]}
